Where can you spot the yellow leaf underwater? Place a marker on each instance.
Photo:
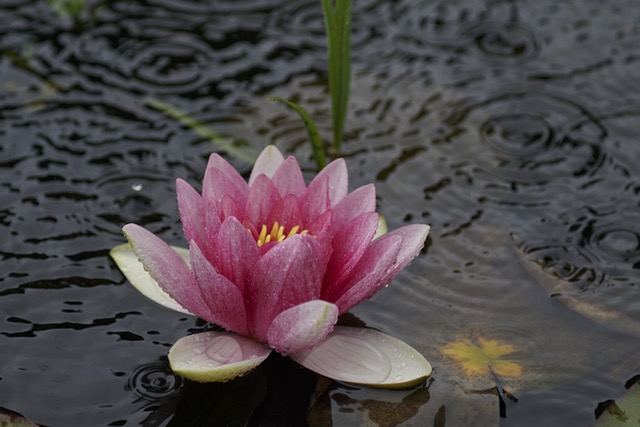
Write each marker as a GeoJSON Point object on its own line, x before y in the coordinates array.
{"type": "Point", "coordinates": [480, 359]}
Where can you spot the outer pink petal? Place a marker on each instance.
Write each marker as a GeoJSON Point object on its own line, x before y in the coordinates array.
{"type": "Point", "coordinates": [267, 163]}
{"type": "Point", "coordinates": [287, 275]}
{"type": "Point", "coordinates": [218, 163]}
{"type": "Point", "coordinates": [236, 252]}
{"type": "Point", "coordinates": [302, 326]}
{"type": "Point", "coordinates": [222, 297]}
{"type": "Point", "coordinates": [167, 268]}
{"type": "Point", "coordinates": [315, 201]}
{"type": "Point", "coordinates": [211, 227]}
{"type": "Point", "coordinates": [288, 178]}
{"type": "Point", "coordinates": [338, 176]}
{"type": "Point", "coordinates": [191, 207]}
{"type": "Point", "coordinates": [367, 276]}
{"type": "Point", "coordinates": [354, 204]}
{"type": "Point", "coordinates": [348, 246]}
{"type": "Point", "coordinates": [413, 238]}
{"type": "Point", "coordinates": [263, 196]}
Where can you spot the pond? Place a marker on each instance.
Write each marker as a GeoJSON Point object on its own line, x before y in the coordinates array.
{"type": "Point", "coordinates": [509, 127]}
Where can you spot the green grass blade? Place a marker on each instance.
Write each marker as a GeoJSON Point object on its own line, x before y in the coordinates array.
{"type": "Point", "coordinates": [338, 26]}
{"type": "Point", "coordinates": [312, 130]}
{"type": "Point", "coordinates": [224, 143]}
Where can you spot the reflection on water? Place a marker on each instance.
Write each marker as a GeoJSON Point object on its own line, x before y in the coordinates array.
{"type": "Point", "coordinates": [510, 128]}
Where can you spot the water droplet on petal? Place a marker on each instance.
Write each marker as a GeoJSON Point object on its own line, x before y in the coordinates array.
{"type": "Point", "coordinates": [398, 377]}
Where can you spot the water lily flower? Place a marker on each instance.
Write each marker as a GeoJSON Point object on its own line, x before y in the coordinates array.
{"type": "Point", "coordinates": [274, 262]}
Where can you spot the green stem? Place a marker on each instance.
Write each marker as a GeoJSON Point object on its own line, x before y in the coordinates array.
{"type": "Point", "coordinates": [312, 130]}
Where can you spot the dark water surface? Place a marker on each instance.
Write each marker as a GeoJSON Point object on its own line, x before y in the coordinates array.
{"type": "Point", "coordinates": [510, 127]}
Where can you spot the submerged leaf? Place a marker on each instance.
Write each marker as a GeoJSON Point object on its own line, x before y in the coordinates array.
{"type": "Point", "coordinates": [216, 356]}
{"type": "Point", "coordinates": [483, 358]}
{"type": "Point", "coordinates": [132, 268]}
{"type": "Point", "coordinates": [229, 144]}
{"type": "Point", "coordinates": [366, 357]}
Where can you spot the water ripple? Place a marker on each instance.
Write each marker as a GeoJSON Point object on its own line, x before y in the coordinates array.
{"type": "Point", "coordinates": [534, 136]}
{"type": "Point", "coordinates": [154, 381]}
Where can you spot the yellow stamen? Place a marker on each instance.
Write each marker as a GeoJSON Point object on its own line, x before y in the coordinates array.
{"type": "Point", "coordinates": [274, 230]}
{"type": "Point", "coordinates": [263, 235]}
{"type": "Point", "coordinates": [293, 230]}
{"type": "Point", "coordinates": [277, 233]}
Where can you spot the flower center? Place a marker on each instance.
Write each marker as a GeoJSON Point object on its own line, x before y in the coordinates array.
{"type": "Point", "coordinates": [277, 233]}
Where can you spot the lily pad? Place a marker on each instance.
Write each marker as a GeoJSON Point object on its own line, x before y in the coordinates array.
{"type": "Point", "coordinates": [366, 357]}
{"type": "Point", "coordinates": [623, 412]}
{"type": "Point", "coordinates": [127, 261]}
{"type": "Point", "coordinates": [216, 356]}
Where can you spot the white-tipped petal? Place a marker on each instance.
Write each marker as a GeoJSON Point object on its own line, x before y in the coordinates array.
{"type": "Point", "coordinates": [134, 271]}
{"type": "Point", "coordinates": [366, 357]}
{"type": "Point", "coordinates": [216, 356]}
{"type": "Point", "coordinates": [267, 163]}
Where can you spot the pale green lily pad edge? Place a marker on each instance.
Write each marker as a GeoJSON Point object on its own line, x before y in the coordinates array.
{"type": "Point", "coordinates": [625, 411]}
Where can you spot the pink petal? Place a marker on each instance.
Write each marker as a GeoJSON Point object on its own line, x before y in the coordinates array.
{"type": "Point", "coordinates": [217, 163]}
{"type": "Point", "coordinates": [413, 238]}
{"type": "Point", "coordinates": [367, 276]}
{"type": "Point", "coordinates": [302, 326]}
{"type": "Point", "coordinates": [192, 211]}
{"type": "Point", "coordinates": [211, 227]}
{"type": "Point", "coordinates": [134, 271]}
{"type": "Point", "coordinates": [338, 176]}
{"type": "Point", "coordinates": [263, 196]}
{"type": "Point", "coordinates": [288, 178]}
{"type": "Point", "coordinates": [354, 204]}
{"type": "Point", "coordinates": [367, 357]}
{"type": "Point", "coordinates": [236, 252]}
{"type": "Point", "coordinates": [167, 268]}
{"type": "Point", "coordinates": [315, 201]}
{"type": "Point", "coordinates": [267, 163]}
{"type": "Point", "coordinates": [287, 275]}
{"type": "Point", "coordinates": [321, 225]}
{"type": "Point", "coordinates": [216, 356]}
{"type": "Point", "coordinates": [216, 186]}
{"type": "Point", "coordinates": [286, 212]}
{"type": "Point", "coordinates": [349, 244]}
{"type": "Point", "coordinates": [223, 298]}
{"type": "Point", "coordinates": [229, 208]}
